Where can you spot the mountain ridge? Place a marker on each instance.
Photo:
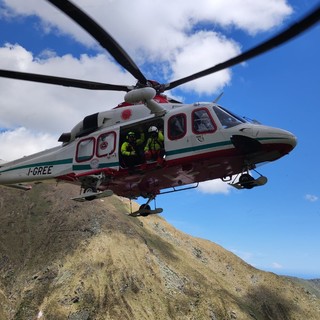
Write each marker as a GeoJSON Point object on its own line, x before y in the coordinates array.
{"type": "Point", "coordinates": [65, 260]}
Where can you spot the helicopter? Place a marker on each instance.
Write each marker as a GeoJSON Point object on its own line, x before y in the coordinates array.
{"type": "Point", "coordinates": [201, 141]}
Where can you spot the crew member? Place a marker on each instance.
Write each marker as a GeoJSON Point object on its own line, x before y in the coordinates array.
{"type": "Point", "coordinates": [131, 150]}
{"type": "Point", "coordinates": [153, 149]}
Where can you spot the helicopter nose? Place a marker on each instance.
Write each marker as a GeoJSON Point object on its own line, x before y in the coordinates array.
{"type": "Point", "coordinates": [289, 140]}
{"type": "Point", "coordinates": [292, 140]}
{"type": "Point", "coordinates": [279, 140]}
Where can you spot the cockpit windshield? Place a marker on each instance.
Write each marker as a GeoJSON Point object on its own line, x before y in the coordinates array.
{"type": "Point", "coordinates": [227, 118]}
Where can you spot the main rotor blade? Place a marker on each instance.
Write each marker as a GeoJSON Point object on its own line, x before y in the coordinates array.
{"type": "Point", "coordinates": [67, 82]}
{"type": "Point", "coordinates": [275, 41]}
{"type": "Point", "coordinates": [104, 38]}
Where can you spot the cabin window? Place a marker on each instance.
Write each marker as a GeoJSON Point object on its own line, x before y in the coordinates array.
{"type": "Point", "coordinates": [202, 121]}
{"type": "Point", "coordinates": [177, 126]}
{"type": "Point", "coordinates": [106, 144]}
{"type": "Point", "coordinates": [85, 150]}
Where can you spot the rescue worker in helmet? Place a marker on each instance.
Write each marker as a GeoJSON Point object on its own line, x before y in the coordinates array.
{"type": "Point", "coordinates": [131, 150]}
{"type": "Point", "coordinates": [154, 148]}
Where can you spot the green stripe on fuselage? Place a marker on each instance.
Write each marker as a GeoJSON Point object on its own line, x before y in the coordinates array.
{"type": "Point", "coordinates": [38, 164]}
{"type": "Point", "coordinates": [212, 145]}
{"type": "Point", "coordinates": [79, 167]}
{"type": "Point", "coordinates": [198, 148]}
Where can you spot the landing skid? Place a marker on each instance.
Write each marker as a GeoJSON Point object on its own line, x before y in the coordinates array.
{"type": "Point", "coordinates": [89, 196]}
{"type": "Point", "coordinates": [249, 183]}
{"type": "Point", "coordinates": [145, 212]}
{"type": "Point", "coordinates": [145, 209]}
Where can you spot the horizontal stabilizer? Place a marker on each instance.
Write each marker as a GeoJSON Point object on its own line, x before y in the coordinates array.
{"type": "Point", "coordinates": [20, 186]}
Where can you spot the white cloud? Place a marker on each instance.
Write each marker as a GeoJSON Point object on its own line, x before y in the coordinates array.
{"type": "Point", "coordinates": [311, 197]}
{"type": "Point", "coordinates": [22, 142]}
{"type": "Point", "coordinates": [197, 55]}
{"type": "Point", "coordinates": [252, 15]}
{"type": "Point", "coordinates": [276, 265]}
{"type": "Point", "coordinates": [214, 186]}
{"type": "Point", "coordinates": [49, 108]}
{"type": "Point", "coordinates": [154, 18]}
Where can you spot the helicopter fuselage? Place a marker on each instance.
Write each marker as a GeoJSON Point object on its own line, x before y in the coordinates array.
{"type": "Point", "coordinates": [202, 141]}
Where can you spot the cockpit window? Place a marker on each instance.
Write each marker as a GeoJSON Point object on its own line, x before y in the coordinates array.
{"type": "Point", "coordinates": [226, 118]}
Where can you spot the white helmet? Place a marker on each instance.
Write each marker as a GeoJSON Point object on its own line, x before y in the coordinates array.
{"type": "Point", "coordinates": [153, 129]}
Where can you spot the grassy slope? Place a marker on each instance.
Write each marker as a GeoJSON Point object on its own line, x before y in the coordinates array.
{"type": "Point", "coordinates": [92, 261]}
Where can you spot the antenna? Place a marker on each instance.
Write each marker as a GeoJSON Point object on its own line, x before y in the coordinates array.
{"type": "Point", "coordinates": [218, 98]}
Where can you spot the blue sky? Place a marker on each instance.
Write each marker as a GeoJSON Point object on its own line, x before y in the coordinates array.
{"type": "Point", "coordinates": [274, 227]}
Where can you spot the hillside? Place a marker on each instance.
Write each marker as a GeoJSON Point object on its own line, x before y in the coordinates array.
{"type": "Point", "coordinates": [65, 260]}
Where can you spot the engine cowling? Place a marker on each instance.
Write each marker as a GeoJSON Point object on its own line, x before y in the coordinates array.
{"type": "Point", "coordinates": [140, 95]}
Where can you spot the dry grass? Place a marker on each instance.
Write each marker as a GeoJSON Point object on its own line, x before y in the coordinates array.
{"type": "Point", "coordinates": [92, 261]}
